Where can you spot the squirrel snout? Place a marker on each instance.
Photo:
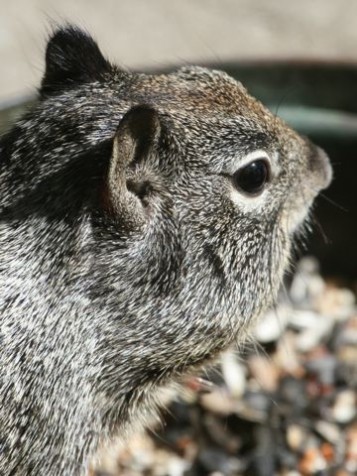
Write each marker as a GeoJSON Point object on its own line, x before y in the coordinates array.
{"type": "Point", "coordinates": [321, 168]}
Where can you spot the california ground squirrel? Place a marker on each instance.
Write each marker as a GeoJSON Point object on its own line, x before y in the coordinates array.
{"type": "Point", "coordinates": [146, 221]}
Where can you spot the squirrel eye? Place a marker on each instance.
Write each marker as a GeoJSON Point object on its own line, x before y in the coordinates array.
{"type": "Point", "coordinates": [251, 178]}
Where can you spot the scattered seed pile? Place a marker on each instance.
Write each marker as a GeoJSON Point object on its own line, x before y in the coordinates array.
{"type": "Point", "coordinates": [286, 406]}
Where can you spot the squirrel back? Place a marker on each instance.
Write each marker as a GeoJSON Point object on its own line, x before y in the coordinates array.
{"type": "Point", "coordinates": [145, 222]}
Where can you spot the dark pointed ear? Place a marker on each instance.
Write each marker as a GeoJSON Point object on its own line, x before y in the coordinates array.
{"type": "Point", "coordinates": [72, 57]}
{"type": "Point", "coordinates": [135, 141]}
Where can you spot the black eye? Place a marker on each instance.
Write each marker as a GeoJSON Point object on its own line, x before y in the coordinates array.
{"type": "Point", "coordinates": [251, 178]}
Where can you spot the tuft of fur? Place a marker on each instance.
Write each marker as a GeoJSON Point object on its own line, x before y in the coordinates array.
{"type": "Point", "coordinates": [128, 258]}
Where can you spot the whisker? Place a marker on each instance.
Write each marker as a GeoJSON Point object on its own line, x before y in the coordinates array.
{"type": "Point", "coordinates": [320, 229]}
{"type": "Point", "coordinates": [283, 97]}
{"type": "Point", "coordinates": [332, 202]}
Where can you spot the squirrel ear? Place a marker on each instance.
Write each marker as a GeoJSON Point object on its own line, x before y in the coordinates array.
{"type": "Point", "coordinates": [72, 57]}
{"type": "Point", "coordinates": [135, 140]}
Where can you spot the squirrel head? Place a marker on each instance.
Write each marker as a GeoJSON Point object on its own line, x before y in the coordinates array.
{"type": "Point", "coordinates": [185, 191]}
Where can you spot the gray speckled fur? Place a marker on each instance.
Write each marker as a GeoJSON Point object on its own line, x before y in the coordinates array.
{"type": "Point", "coordinates": [107, 296]}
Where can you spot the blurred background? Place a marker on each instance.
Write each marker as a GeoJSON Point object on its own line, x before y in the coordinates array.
{"type": "Point", "coordinates": [139, 33]}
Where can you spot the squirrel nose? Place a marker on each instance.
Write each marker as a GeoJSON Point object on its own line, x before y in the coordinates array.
{"type": "Point", "coordinates": [320, 170]}
{"type": "Point", "coordinates": [325, 167]}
